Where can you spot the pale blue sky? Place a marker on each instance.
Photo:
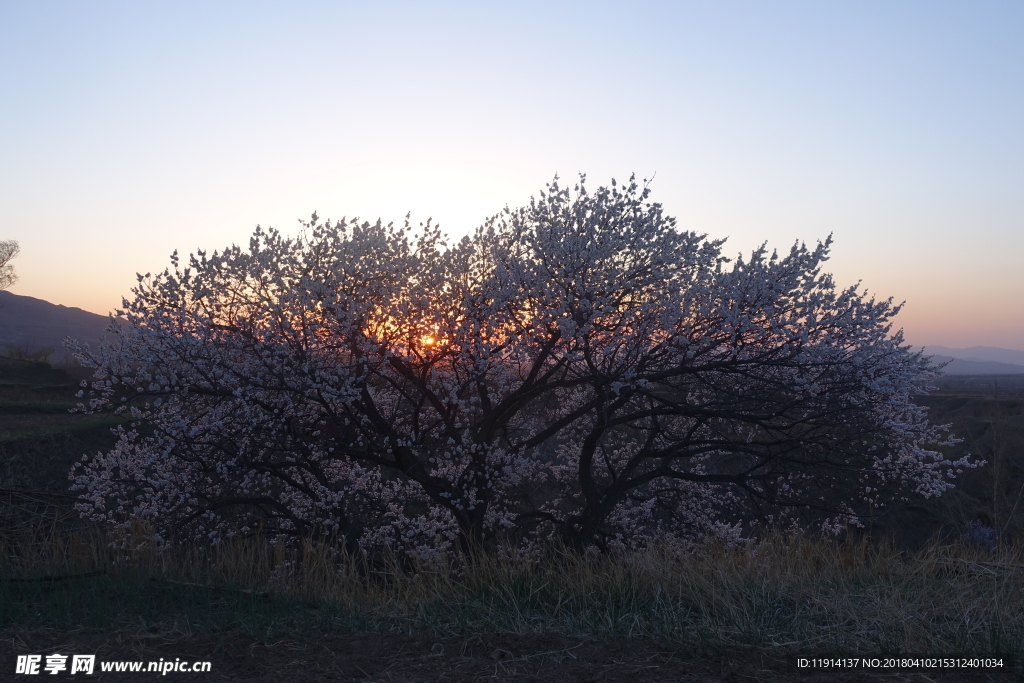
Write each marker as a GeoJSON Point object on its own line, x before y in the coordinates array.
{"type": "Point", "coordinates": [128, 130]}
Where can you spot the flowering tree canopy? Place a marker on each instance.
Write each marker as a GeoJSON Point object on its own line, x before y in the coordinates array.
{"type": "Point", "coordinates": [577, 368]}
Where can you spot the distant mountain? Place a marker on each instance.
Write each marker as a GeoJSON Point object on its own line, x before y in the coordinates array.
{"type": "Point", "coordinates": [32, 324]}
{"type": "Point", "coordinates": [979, 354]}
{"type": "Point", "coordinates": [960, 366]}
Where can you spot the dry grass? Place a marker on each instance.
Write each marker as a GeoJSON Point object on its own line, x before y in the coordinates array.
{"type": "Point", "coordinates": [781, 593]}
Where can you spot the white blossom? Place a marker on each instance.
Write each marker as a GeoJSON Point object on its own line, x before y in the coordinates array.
{"type": "Point", "coordinates": [578, 367]}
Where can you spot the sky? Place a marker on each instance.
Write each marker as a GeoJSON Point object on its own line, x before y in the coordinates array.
{"type": "Point", "coordinates": [129, 130]}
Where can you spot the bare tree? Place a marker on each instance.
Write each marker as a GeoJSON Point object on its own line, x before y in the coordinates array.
{"type": "Point", "coordinates": [8, 250]}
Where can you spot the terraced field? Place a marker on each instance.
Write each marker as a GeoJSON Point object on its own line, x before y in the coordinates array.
{"type": "Point", "coordinates": [39, 438]}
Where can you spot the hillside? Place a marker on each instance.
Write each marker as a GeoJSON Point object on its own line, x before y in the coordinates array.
{"type": "Point", "coordinates": [32, 324]}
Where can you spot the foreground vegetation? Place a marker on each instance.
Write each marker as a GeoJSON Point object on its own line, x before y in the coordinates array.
{"type": "Point", "coordinates": [783, 593]}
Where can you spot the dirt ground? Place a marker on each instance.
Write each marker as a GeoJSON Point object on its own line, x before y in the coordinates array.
{"type": "Point", "coordinates": [421, 658]}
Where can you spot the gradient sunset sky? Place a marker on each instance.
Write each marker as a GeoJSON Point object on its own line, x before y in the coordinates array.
{"type": "Point", "coordinates": [128, 130]}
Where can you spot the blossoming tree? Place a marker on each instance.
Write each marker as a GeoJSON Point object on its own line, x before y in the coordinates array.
{"type": "Point", "coordinates": [577, 368]}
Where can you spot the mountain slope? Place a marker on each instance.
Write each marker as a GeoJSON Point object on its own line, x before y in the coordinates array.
{"type": "Point", "coordinates": [31, 324]}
